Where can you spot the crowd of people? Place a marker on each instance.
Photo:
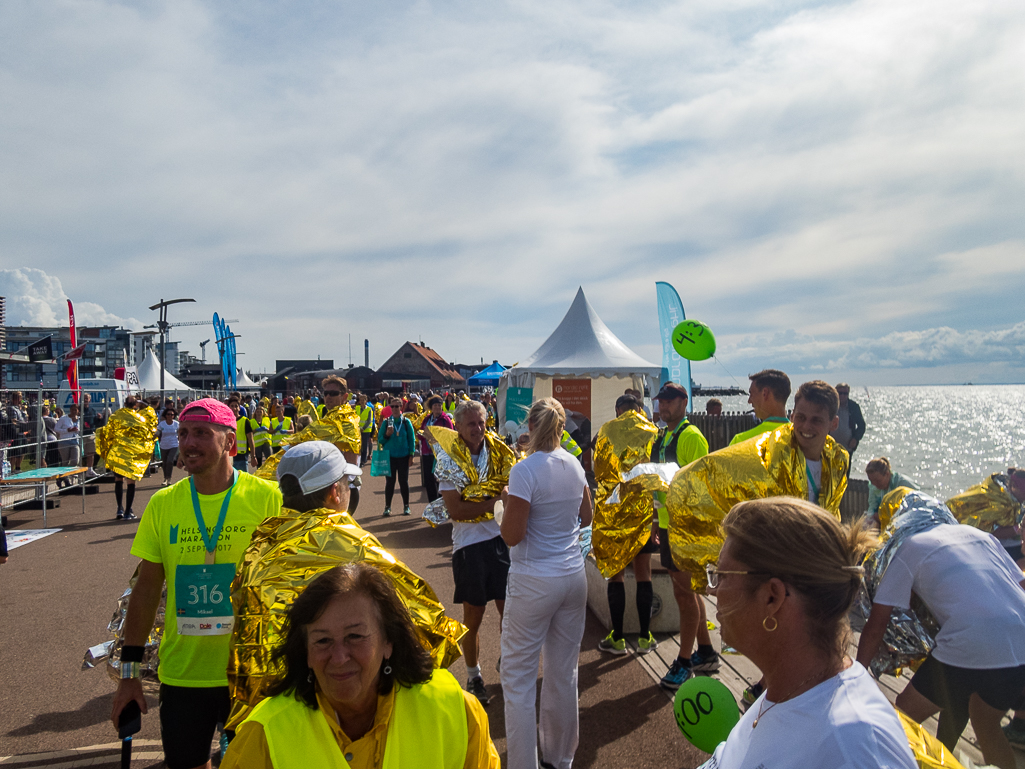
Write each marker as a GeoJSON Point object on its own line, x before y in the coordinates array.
{"type": "Point", "coordinates": [755, 524]}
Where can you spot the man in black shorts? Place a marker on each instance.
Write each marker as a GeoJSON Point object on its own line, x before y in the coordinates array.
{"type": "Point", "coordinates": [480, 557]}
{"type": "Point", "coordinates": [682, 443]}
{"type": "Point", "coordinates": [192, 536]}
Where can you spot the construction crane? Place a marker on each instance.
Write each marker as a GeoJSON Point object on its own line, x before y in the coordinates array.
{"type": "Point", "coordinates": [202, 346]}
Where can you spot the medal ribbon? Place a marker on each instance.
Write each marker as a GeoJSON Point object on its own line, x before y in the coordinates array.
{"type": "Point", "coordinates": [210, 541]}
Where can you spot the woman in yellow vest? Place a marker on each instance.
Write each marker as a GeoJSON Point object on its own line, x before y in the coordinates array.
{"type": "Point", "coordinates": [359, 689]}
{"type": "Point", "coordinates": [261, 435]}
{"type": "Point", "coordinates": [280, 426]}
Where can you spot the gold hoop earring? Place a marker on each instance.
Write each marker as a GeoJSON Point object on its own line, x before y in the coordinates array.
{"type": "Point", "coordinates": [775, 624]}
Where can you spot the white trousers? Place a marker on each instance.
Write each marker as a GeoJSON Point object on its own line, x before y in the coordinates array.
{"type": "Point", "coordinates": [542, 613]}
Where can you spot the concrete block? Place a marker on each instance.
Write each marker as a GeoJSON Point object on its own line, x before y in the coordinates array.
{"type": "Point", "coordinates": [665, 613]}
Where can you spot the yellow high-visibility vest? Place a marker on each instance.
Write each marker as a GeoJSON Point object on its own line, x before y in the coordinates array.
{"type": "Point", "coordinates": [571, 445]}
{"type": "Point", "coordinates": [427, 728]}
{"type": "Point", "coordinates": [240, 434]}
{"type": "Point", "coordinates": [261, 432]}
{"type": "Point", "coordinates": [285, 424]}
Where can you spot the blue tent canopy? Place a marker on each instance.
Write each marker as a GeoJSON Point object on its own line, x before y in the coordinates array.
{"type": "Point", "coordinates": [488, 377]}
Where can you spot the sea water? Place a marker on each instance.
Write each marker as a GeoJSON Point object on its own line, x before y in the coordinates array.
{"type": "Point", "coordinates": [945, 438]}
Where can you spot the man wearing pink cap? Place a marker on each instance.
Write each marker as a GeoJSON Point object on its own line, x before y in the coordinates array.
{"type": "Point", "coordinates": [193, 535]}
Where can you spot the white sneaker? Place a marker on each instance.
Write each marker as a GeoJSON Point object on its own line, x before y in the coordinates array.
{"type": "Point", "coordinates": [90, 473]}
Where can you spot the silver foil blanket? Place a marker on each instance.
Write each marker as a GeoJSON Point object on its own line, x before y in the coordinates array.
{"type": "Point", "coordinates": [110, 651]}
{"type": "Point", "coordinates": [911, 634]}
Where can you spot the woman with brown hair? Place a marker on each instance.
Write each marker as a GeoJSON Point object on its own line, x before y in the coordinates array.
{"type": "Point", "coordinates": [359, 689]}
{"type": "Point", "coordinates": [787, 575]}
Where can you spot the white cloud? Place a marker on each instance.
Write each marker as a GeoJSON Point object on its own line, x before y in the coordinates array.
{"type": "Point", "coordinates": [850, 169]}
{"type": "Point", "coordinates": [35, 298]}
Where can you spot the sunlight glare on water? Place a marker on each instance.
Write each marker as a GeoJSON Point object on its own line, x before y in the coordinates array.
{"type": "Point", "coordinates": [944, 438]}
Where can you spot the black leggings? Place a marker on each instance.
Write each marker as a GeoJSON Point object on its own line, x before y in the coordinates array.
{"type": "Point", "coordinates": [427, 473]}
{"type": "Point", "coordinates": [400, 468]}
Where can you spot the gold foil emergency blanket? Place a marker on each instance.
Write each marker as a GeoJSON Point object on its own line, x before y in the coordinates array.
{"type": "Point", "coordinates": [306, 409]}
{"type": "Point", "coordinates": [771, 465]}
{"type": "Point", "coordinates": [987, 505]}
{"type": "Point", "coordinates": [339, 426]}
{"type": "Point", "coordinates": [111, 650]}
{"type": "Point", "coordinates": [453, 464]}
{"type": "Point", "coordinates": [911, 633]}
{"type": "Point", "coordinates": [286, 553]}
{"type": "Point", "coordinates": [622, 509]}
{"type": "Point", "coordinates": [126, 442]}
{"type": "Point", "coordinates": [929, 752]}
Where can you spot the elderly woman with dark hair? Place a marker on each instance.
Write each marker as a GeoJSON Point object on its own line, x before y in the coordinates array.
{"type": "Point", "coordinates": [787, 575]}
{"type": "Point", "coordinates": [358, 689]}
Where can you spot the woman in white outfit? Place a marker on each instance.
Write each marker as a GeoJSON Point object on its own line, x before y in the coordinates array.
{"type": "Point", "coordinates": [546, 502]}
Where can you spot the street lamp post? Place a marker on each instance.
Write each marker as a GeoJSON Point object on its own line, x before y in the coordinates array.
{"type": "Point", "coordinates": [162, 326]}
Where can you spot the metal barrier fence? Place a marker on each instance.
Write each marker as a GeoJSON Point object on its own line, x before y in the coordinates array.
{"type": "Point", "coordinates": [24, 438]}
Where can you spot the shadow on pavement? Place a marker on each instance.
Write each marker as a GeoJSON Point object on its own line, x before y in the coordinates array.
{"type": "Point", "coordinates": [95, 711]}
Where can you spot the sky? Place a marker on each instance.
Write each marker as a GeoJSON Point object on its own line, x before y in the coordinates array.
{"type": "Point", "coordinates": [835, 188]}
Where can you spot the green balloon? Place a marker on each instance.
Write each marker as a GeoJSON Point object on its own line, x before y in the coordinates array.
{"type": "Point", "coordinates": [694, 340]}
{"type": "Point", "coordinates": [706, 712]}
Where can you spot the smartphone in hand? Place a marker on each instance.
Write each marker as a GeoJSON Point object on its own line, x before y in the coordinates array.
{"type": "Point", "coordinates": [130, 720]}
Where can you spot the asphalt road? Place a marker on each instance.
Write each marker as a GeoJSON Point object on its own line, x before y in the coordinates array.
{"type": "Point", "coordinates": [58, 594]}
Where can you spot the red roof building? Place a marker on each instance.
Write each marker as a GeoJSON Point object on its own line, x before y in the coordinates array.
{"type": "Point", "coordinates": [416, 361]}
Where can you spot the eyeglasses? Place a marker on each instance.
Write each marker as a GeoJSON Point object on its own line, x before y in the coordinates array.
{"type": "Point", "coordinates": [333, 393]}
{"type": "Point", "coordinates": [712, 572]}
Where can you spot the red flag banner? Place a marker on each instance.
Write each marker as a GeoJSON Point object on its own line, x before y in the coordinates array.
{"type": "Point", "coordinates": [72, 357]}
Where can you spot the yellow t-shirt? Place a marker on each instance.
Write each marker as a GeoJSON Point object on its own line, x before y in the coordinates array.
{"type": "Point", "coordinates": [690, 445]}
{"type": "Point", "coordinates": [168, 535]}
{"type": "Point", "coordinates": [764, 426]}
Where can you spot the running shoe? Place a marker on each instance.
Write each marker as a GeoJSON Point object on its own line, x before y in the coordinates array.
{"type": "Point", "coordinates": [750, 696]}
{"type": "Point", "coordinates": [701, 664]}
{"type": "Point", "coordinates": [645, 645]}
{"type": "Point", "coordinates": [90, 473]}
{"type": "Point", "coordinates": [1015, 733]}
{"type": "Point", "coordinates": [678, 672]}
{"type": "Point", "coordinates": [130, 516]}
{"type": "Point", "coordinates": [405, 510]}
{"type": "Point", "coordinates": [120, 513]}
{"type": "Point", "coordinates": [387, 512]}
{"type": "Point", "coordinates": [166, 483]}
{"type": "Point", "coordinates": [610, 645]}
{"type": "Point", "coordinates": [475, 686]}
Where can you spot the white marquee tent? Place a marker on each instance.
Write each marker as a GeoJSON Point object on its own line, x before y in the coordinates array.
{"type": "Point", "coordinates": [243, 382]}
{"type": "Point", "coordinates": [149, 376]}
{"type": "Point", "coordinates": [583, 364]}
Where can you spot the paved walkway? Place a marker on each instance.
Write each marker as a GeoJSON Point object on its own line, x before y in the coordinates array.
{"type": "Point", "coordinates": [57, 595]}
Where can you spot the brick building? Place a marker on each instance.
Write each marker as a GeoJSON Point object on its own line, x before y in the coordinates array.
{"type": "Point", "coordinates": [418, 362]}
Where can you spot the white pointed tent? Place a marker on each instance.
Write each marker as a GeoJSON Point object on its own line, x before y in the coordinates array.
{"type": "Point", "coordinates": [243, 382]}
{"type": "Point", "coordinates": [581, 348]}
{"type": "Point", "coordinates": [149, 376]}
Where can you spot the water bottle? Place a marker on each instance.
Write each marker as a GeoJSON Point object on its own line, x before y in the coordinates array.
{"type": "Point", "coordinates": [5, 466]}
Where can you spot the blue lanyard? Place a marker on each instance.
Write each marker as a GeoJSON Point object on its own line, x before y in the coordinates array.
{"type": "Point", "coordinates": [210, 541]}
{"type": "Point", "coordinates": [811, 480]}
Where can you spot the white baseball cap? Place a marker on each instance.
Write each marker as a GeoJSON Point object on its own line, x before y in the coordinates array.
{"type": "Point", "coordinates": [317, 465]}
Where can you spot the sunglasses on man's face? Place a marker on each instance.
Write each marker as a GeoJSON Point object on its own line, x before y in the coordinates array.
{"type": "Point", "coordinates": [333, 393]}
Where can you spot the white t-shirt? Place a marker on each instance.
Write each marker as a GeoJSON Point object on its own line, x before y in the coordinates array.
{"type": "Point", "coordinates": [63, 428]}
{"type": "Point", "coordinates": [168, 434]}
{"type": "Point", "coordinates": [843, 723]}
{"type": "Point", "coordinates": [553, 483]}
{"type": "Point", "coordinates": [464, 533]}
{"type": "Point", "coordinates": [814, 480]}
{"type": "Point", "coordinates": [971, 586]}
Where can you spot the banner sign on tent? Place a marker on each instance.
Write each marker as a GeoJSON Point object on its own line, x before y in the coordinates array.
{"type": "Point", "coordinates": [573, 394]}
{"type": "Point", "coordinates": [517, 403]}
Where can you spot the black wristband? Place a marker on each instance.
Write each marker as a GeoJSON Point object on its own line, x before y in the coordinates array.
{"type": "Point", "coordinates": [132, 653]}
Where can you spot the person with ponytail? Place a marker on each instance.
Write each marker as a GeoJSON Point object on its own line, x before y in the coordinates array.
{"type": "Point", "coordinates": [787, 575]}
{"type": "Point", "coordinates": [546, 503]}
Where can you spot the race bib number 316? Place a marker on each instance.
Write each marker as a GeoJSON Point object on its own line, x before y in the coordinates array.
{"type": "Point", "coordinates": [203, 598]}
